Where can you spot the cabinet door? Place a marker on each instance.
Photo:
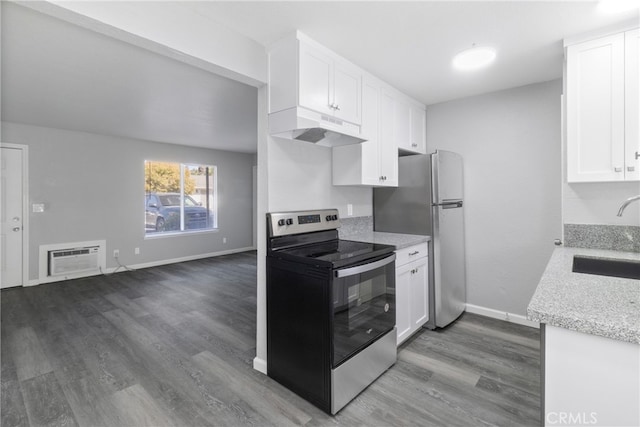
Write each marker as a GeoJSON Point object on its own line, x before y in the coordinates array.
{"type": "Point", "coordinates": [370, 128]}
{"type": "Point", "coordinates": [402, 123]}
{"type": "Point", "coordinates": [388, 163]}
{"type": "Point", "coordinates": [418, 129]}
{"type": "Point", "coordinates": [347, 83]}
{"type": "Point", "coordinates": [419, 293]}
{"type": "Point", "coordinates": [388, 158]}
{"type": "Point", "coordinates": [632, 112]}
{"type": "Point", "coordinates": [316, 75]}
{"type": "Point", "coordinates": [403, 302]}
{"type": "Point", "coordinates": [595, 110]}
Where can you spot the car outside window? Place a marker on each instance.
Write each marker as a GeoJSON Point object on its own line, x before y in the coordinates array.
{"type": "Point", "coordinates": [179, 197]}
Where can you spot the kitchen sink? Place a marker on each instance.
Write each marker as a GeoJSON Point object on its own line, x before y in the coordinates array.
{"type": "Point", "coordinates": [626, 268]}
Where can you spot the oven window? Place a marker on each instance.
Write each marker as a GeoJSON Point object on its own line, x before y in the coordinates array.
{"type": "Point", "coordinates": [363, 310]}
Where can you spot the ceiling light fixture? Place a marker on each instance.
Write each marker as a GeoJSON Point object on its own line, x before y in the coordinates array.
{"type": "Point", "coordinates": [474, 58]}
{"type": "Point", "coordinates": [617, 6]}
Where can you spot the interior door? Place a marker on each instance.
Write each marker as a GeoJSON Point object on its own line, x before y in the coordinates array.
{"type": "Point", "coordinates": [11, 217]}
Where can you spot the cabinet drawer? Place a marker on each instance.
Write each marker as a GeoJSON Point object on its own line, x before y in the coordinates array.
{"type": "Point", "coordinates": [411, 253]}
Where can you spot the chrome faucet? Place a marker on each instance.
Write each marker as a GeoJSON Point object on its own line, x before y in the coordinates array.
{"type": "Point", "coordinates": [627, 202]}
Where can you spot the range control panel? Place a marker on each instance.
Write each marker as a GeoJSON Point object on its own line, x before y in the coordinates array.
{"type": "Point", "coordinates": [286, 223]}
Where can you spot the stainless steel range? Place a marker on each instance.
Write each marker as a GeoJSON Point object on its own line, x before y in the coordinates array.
{"type": "Point", "coordinates": [330, 308]}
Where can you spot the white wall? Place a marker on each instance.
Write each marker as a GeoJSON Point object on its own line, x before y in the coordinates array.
{"type": "Point", "coordinates": [300, 178]}
{"type": "Point", "coordinates": [93, 189]}
{"type": "Point", "coordinates": [511, 145]}
{"type": "Point", "coordinates": [598, 203]}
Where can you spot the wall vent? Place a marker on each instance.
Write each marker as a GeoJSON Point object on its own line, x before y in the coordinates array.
{"type": "Point", "coordinates": [63, 262]}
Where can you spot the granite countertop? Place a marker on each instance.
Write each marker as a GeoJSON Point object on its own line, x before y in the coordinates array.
{"type": "Point", "coordinates": [400, 241]}
{"type": "Point", "coordinates": [592, 304]}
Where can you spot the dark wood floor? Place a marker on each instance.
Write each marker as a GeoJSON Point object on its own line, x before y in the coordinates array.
{"type": "Point", "coordinates": [174, 345]}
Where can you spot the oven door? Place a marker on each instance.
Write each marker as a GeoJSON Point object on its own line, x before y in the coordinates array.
{"type": "Point", "coordinates": [364, 305]}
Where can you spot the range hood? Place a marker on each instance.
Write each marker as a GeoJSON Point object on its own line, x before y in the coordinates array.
{"type": "Point", "coordinates": [300, 124]}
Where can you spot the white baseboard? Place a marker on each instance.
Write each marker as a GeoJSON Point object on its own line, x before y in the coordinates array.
{"type": "Point", "coordinates": [260, 365]}
{"type": "Point", "coordinates": [181, 259]}
{"type": "Point", "coordinates": [502, 315]}
{"type": "Point", "coordinates": [140, 266]}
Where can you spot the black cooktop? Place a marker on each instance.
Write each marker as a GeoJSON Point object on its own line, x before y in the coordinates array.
{"type": "Point", "coordinates": [336, 253]}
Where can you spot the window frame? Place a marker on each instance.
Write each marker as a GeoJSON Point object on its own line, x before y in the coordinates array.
{"type": "Point", "coordinates": [211, 195]}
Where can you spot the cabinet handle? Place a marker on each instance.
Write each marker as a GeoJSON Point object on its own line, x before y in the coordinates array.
{"type": "Point", "coordinates": [414, 145]}
{"type": "Point", "coordinates": [337, 107]}
{"type": "Point", "coordinates": [414, 253]}
{"type": "Point", "coordinates": [617, 169]}
{"type": "Point", "coordinates": [637, 155]}
{"type": "Point", "coordinates": [630, 168]}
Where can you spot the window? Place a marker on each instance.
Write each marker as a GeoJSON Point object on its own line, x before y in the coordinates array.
{"type": "Point", "coordinates": [179, 197]}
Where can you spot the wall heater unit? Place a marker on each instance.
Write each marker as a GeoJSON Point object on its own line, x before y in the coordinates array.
{"type": "Point", "coordinates": [63, 262]}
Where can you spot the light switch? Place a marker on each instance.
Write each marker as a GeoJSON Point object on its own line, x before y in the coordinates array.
{"type": "Point", "coordinates": [37, 207]}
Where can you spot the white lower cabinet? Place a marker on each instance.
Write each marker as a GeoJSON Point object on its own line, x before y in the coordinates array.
{"type": "Point", "coordinates": [589, 379]}
{"type": "Point", "coordinates": [412, 285]}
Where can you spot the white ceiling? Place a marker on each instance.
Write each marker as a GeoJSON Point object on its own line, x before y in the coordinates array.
{"type": "Point", "coordinates": [411, 44]}
{"type": "Point", "coordinates": [58, 75]}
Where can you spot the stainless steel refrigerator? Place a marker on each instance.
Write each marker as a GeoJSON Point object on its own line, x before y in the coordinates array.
{"type": "Point", "coordinates": [429, 200]}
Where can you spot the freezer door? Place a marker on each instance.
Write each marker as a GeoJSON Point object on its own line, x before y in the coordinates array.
{"type": "Point", "coordinates": [449, 264]}
{"type": "Point", "coordinates": [447, 180]}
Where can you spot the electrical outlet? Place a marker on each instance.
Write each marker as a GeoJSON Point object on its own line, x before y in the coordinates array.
{"type": "Point", "coordinates": [136, 251]}
{"type": "Point", "coordinates": [349, 209]}
{"type": "Point", "coordinates": [224, 240]}
{"type": "Point", "coordinates": [116, 253]}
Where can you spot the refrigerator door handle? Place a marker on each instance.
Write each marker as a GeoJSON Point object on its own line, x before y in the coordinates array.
{"type": "Point", "coordinates": [450, 205]}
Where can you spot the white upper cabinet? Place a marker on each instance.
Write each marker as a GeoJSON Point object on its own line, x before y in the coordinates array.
{"type": "Point", "coordinates": [418, 138]}
{"type": "Point", "coordinates": [316, 75]}
{"type": "Point", "coordinates": [631, 101]}
{"type": "Point", "coordinates": [375, 161]}
{"type": "Point", "coordinates": [303, 73]}
{"type": "Point", "coordinates": [602, 89]}
{"type": "Point", "coordinates": [347, 83]}
{"type": "Point", "coordinates": [409, 125]}
{"type": "Point", "coordinates": [402, 122]}
{"type": "Point", "coordinates": [388, 151]}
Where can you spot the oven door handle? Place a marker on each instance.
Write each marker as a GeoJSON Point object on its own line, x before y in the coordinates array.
{"type": "Point", "coordinates": [345, 272]}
